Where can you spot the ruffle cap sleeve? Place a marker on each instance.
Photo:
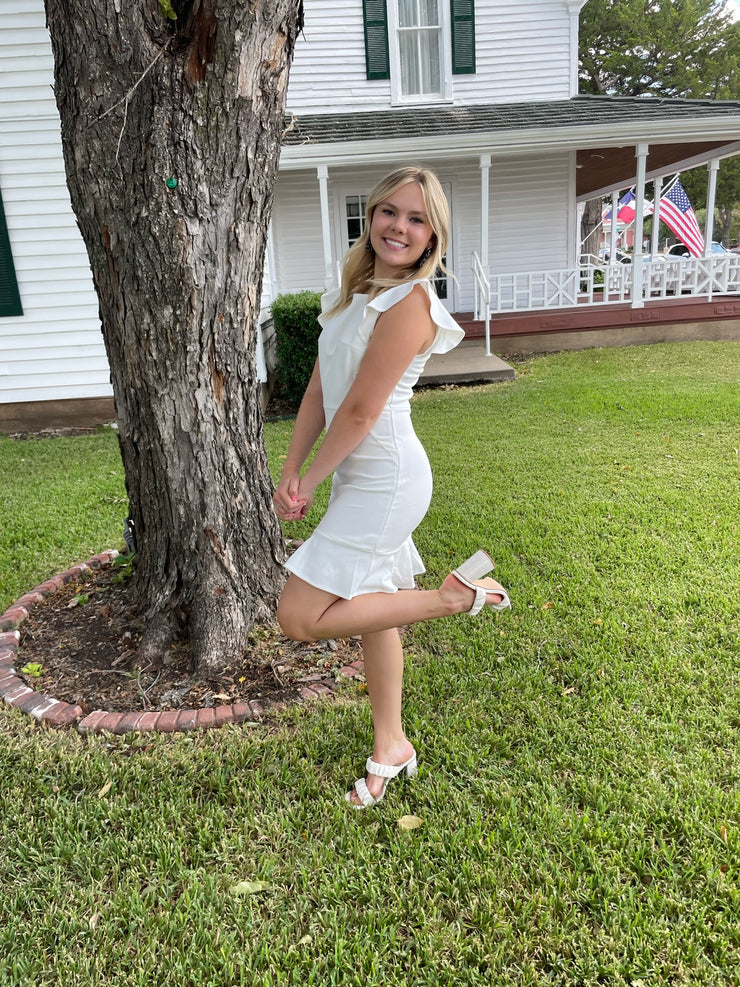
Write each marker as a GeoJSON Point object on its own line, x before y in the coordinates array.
{"type": "Point", "coordinates": [449, 333]}
{"type": "Point", "coordinates": [327, 300]}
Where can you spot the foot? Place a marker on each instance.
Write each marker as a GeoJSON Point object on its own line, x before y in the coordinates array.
{"type": "Point", "coordinates": [461, 598]}
{"type": "Point", "coordinates": [395, 755]}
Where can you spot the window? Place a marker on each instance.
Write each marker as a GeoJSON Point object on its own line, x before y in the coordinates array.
{"type": "Point", "coordinates": [354, 213]}
{"type": "Point", "coordinates": [10, 300]}
{"type": "Point", "coordinates": [419, 47]}
{"type": "Point", "coordinates": [418, 43]}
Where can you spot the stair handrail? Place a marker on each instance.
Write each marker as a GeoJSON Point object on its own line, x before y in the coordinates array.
{"type": "Point", "coordinates": [482, 296]}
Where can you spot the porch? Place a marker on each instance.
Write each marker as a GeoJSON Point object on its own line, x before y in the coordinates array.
{"type": "Point", "coordinates": [580, 327]}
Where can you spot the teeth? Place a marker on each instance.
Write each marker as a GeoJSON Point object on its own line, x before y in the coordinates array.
{"type": "Point", "coordinates": [394, 243]}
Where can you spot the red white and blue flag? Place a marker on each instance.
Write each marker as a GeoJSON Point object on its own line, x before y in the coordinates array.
{"type": "Point", "coordinates": [626, 209]}
{"type": "Point", "coordinates": [678, 216]}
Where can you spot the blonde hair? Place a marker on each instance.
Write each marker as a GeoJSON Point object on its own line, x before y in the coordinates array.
{"type": "Point", "coordinates": [359, 263]}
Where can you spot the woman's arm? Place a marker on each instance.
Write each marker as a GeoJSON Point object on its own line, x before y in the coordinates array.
{"type": "Point", "coordinates": [308, 426]}
{"type": "Point", "coordinates": [399, 335]}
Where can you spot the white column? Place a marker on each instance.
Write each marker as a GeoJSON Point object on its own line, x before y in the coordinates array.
{"type": "Point", "coordinates": [655, 238]}
{"type": "Point", "coordinates": [613, 231]}
{"type": "Point", "coordinates": [322, 172]}
{"type": "Point", "coordinates": [641, 153]}
{"type": "Point", "coordinates": [485, 169]}
{"type": "Point", "coordinates": [713, 167]}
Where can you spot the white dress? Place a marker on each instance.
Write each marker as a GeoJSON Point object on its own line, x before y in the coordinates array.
{"type": "Point", "coordinates": [382, 490]}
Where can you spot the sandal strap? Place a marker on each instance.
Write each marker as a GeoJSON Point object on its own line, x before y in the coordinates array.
{"type": "Point", "coordinates": [386, 770]}
{"type": "Point", "coordinates": [480, 599]}
{"type": "Point", "coordinates": [366, 799]}
{"type": "Point", "coordinates": [505, 604]}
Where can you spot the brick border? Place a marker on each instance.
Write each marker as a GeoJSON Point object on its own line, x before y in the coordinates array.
{"type": "Point", "coordinates": [56, 713]}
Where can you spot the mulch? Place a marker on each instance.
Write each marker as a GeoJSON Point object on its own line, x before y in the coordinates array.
{"type": "Point", "coordinates": [80, 645]}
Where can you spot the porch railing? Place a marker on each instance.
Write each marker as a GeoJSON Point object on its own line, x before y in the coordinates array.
{"type": "Point", "coordinates": [594, 282]}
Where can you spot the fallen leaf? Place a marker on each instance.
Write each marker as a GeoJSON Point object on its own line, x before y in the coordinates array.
{"type": "Point", "coordinates": [305, 940]}
{"type": "Point", "coordinates": [723, 834]}
{"type": "Point", "coordinates": [547, 606]}
{"type": "Point", "coordinates": [567, 692]}
{"type": "Point", "coordinates": [409, 822]}
{"type": "Point", "coordinates": [93, 920]}
{"type": "Point", "coordinates": [105, 789]}
{"type": "Point", "coordinates": [249, 887]}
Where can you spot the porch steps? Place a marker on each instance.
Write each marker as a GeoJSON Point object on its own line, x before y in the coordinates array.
{"type": "Point", "coordinates": [466, 364]}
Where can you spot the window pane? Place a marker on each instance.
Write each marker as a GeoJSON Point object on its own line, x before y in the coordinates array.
{"type": "Point", "coordinates": [407, 13]}
{"type": "Point", "coordinates": [418, 13]}
{"type": "Point", "coordinates": [429, 12]}
{"type": "Point", "coordinates": [353, 205]}
{"type": "Point", "coordinates": [353, 230]}
{"type": "Point", "coordinates": [419, 62]}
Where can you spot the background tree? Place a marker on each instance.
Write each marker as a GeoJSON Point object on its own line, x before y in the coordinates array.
{"type": "Point", "coordinates": [684, 48]}
{"type": "Point", "coordinates": [673, 48]}
{"type": "Point", "coordinates": [172, 114]}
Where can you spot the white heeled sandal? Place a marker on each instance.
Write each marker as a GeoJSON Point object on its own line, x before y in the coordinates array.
{"type": "Point", "coordinates": [386, 771]}
{"type": "Point", "coordinates": [469, 574]}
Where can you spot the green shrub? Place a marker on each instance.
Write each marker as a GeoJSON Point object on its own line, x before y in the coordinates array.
{"type": "Point", "coordinates": [296, 341]}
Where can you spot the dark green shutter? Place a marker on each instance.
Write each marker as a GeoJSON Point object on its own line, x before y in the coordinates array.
{"type": "Point", "coordinates": [10, 300]}
{"type": "Point", "coordinates": [377, 61]}
{"type": "Point", "coordinates": [463, 36]}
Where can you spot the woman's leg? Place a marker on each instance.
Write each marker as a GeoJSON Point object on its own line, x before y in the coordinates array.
{"type": "Point", "coordinates": [383, 656]}
{"type": "Point", "coordinates": [306, 613]}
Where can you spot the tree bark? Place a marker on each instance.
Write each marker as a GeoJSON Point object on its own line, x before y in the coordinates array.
{"type": "Point", "coordinates": [172, 114]}
{"type": "Point", "coordinates": [591, 227]}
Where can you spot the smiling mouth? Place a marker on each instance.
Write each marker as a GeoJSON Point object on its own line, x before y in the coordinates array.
{"type": "Point", "coordinates": [396, 244]}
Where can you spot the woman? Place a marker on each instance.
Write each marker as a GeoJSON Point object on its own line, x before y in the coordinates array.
{"type": "Point", "coordinates": [354, 574]}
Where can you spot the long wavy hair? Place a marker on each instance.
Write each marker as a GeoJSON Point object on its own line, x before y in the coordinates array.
{"type": "Point", "coordinates": [359, 262]}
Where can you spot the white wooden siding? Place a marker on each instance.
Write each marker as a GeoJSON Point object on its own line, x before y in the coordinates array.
{"type": "Point", "coordinates": [328, 72]}
{"type": "Point", "coordinates": [296, 233]}
{"type": "Point", "coordinates": [522, 53]}
{"type": "Point", "coordinates": [55, 349]}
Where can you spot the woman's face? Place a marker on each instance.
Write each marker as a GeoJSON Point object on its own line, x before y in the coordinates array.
{"type": "Point", "coordinates": [400, 231]}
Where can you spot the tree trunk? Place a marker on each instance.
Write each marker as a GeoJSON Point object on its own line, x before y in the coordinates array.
{"type": "Point", "coordinates": [591, 227]}
{"type": "Point", "coordinates": [172, 114]}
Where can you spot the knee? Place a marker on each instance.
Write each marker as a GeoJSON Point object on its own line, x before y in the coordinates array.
{"type": "Point", "coordinates": [293, 625]}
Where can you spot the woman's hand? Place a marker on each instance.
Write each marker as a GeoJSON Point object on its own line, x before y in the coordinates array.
{"type": "Point", "coordinates": [286, 501]}
{"type": "Point", "coordinates": [306, 491]}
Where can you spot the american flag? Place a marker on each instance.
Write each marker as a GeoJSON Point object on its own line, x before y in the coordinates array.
{"type": "Point", "coordinates": [677, 214]}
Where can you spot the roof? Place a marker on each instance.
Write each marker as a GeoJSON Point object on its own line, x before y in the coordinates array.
{"type": "Point", "coordinates": [593, 111]}
{"type": "Point", "coordinates": [603, 130]}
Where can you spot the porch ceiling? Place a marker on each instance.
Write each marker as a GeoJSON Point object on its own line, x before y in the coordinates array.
{"type": "Point", "coordinates": [603, 168]}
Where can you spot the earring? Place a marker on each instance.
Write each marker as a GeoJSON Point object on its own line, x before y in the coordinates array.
{"type": "Point", "coordinates": [424, 257]}
{"type": "Point", "coordinates": [369, 247]}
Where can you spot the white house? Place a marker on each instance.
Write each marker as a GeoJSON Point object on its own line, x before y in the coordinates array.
{"type": "Point", "coordinates": [483, 91]}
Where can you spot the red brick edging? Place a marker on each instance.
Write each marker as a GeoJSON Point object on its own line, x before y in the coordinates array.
{"type": "Point", "coordinates": [55, 713]}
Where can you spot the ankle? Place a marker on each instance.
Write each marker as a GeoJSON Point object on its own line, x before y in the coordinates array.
{"type": "Point", "coordinates": [455, 596]}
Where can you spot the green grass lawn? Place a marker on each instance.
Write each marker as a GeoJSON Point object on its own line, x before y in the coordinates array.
{"type": "Point", "coordinates": [579, 784]}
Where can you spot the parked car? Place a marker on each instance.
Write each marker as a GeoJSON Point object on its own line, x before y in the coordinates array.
{"type": "Point", "coordinates": [681, 250]}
